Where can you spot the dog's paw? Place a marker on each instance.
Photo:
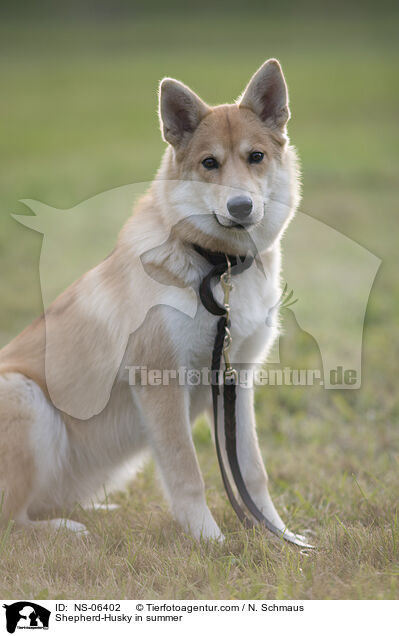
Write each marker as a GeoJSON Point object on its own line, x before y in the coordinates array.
{"type": "Point", "coordinates": [211, 531]}
{"type": "Point", "coordinates": [56, 524]}
{"type": "Point", "coordinates": [219, 537]}
{"type": "Point", "coordinates": [68, 524]}
{"type": "Point", "coordinates": [202, 526]}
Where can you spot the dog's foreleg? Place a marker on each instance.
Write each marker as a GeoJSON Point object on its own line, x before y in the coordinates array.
{"type": "Point", "coordinates": [251, 463]}
{"type": "Point", "coordinates": [166, 413]}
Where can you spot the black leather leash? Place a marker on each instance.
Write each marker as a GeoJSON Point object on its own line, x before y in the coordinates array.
{"type": "Point", "coordinates": [233, 265]}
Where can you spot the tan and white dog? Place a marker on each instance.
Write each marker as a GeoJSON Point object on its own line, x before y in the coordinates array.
{"type": "Point", "coordinates": [228, 177]}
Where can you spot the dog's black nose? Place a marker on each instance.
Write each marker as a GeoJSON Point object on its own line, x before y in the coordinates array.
{"type": "Point", "coordinates": [240, 206]}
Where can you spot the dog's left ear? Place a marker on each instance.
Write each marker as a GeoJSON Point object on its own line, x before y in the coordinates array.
{"type": "Point", "coordinates": [267, 95]}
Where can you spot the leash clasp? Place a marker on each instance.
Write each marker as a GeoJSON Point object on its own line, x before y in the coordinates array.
{"type": "Point", "coordinates": [227, 287]}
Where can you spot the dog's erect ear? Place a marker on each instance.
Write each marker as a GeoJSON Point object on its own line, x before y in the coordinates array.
{"type": "Point", "coordinates": [180, 111]}
{"type": "Point", "coordinates": [267, 95]}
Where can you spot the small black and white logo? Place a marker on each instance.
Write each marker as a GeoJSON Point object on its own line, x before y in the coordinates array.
{"type": "Point", "coordinates": [26, 615]}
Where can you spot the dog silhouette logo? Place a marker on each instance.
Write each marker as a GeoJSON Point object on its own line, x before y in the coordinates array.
{"type": "Point", "coordinates": [26, 615]}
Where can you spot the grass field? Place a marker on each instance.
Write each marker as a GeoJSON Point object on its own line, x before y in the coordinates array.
{"type": "Point", "coordinates": [78, 118]}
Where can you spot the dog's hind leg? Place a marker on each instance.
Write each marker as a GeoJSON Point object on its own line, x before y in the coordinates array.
{"type": "Point", "coordinates": [23, 466]}
{"type": "Point", "coordinates": [17, 465]}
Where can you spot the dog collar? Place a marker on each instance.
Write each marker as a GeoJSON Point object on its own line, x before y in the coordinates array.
{"type": "Point", "coordinates": [219, 258]}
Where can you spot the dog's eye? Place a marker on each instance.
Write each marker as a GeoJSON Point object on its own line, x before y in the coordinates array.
{"type": "Point", "coordinates": [210, 163]}
{"type": "Point", "coordinates": [256, 157]}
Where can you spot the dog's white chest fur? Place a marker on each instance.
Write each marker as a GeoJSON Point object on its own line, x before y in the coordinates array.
{"type": "Point", "coordinates": [255, 292]}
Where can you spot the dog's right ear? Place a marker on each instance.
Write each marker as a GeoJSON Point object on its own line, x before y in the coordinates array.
{"type": "Point", "coordinates": [180, 111]}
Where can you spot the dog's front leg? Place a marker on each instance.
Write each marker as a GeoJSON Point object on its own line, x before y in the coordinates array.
{"type": "Point", "coordinates": [166, 415]}
{"type": "Point", "coordinates": [250, 458]}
